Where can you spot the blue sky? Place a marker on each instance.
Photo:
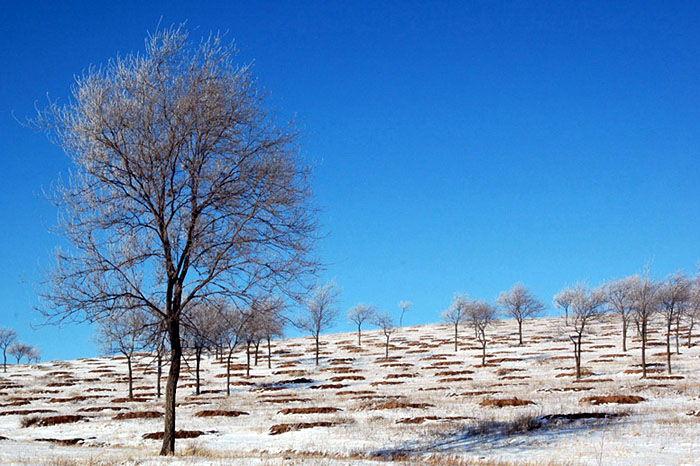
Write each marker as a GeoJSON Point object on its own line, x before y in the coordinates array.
{"type": "Point", "coordinates": [457, 146]}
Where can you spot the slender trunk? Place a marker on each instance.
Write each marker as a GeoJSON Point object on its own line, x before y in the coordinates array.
{"type": "Point", "coordinates": [198, 358]}
{"type": "Point", "coordinates": [168, 447]}
{"type": "Point", "coordinates": [359, 335]}
{"type": "Point", "coordinates": [668, 345]}
{"type": "Point", "coordinates": [131, 384]}
{"type": "Point", "coordinates": [228, 372]}
{"type": "Point", "coordinates": [678, 332]}
{"type": "Point", "coordinates": [386, 352]}
{"type": "Point", "coordinates": [566, 316]}
{"type": "Point", "coordinates": [269, 354]}
{"type": "Point", "coordinates": [247, 354]}
{"type": "Point", "coordinates": [578, 358]}
{"type": "Point", "coordinates": [455, 338]}
{"type": "Point", "coordinates": [257, 347]}
{"type": "Point", "coordinates": [483, 352]}
{"type": "Point", "coordinates": [520, 331]}
{"type": "Point", "coordinates": [624, 335]}
{"type": "Point", "coordinates": [644, 347]}
{"type": "Point", "coordinates": [4, 360]}
{"type": "Point", "coordinates": [159, 373]}
{"type": "Point", "coordinates": [317, 342]}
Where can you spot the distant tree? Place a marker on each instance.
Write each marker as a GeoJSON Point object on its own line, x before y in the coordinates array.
{"type": "Point", "coordinates": [405, 306]}
{"type": "Point", "coordinates": [520, 303]}
{"type": "Point", "coordinates": [19, 350]}
{"type": "Point", "coordinates": [456, 314]}
{"type": "Point", "coordinates": [232, 331]}
{"type": "Point", "coordinates": [125, 334]}
{"type": "Point", "coordinates": [7, 338]}
{"type": "Point", "coordinates": [320, 312]}
{"type": "Point", "coordinates": [620, 299]}
{"type": "Point", "coordinates": [480, 315]}
{"type": "Point", "coordinates": [563, 301]}
{"type": "Point", "coordinates": [386, 323]}
{"type": "Point", "coordinates": [692, 310]}
{"type": "Point", "coordinates": [586, 306]}
{"type": "Point", "coordinates": [33, 355]}
{"type": "Point", "coordinates": [250, 333]}
{"type": "Point", "coordinates": [674, 293]}
{"type": "Point", "coordinates": [358, 315]}
{"type": "Point", "coordinates": [645, 293]}
{"type": "Point", "coordinates": [200, 332]}
{"type": "Point", "coordinates": [271, 321]}
{"type": "Point", "coordinates": [183, 187]}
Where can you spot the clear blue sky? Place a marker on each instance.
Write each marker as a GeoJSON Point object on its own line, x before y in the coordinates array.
{"type": "Point", "coordinates": [458, 146]}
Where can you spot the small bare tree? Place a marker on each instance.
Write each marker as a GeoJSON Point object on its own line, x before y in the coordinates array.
{"type": "Point", "coordinates": [19, 350]}
{"type": "Point", "coordinates": [562, 300]}
{"type": "Point", "coordinates": [33, 355]}
{"type": "Point", "coordinates": [692, 310]}
{"type": "Point", "coordinates": [586, 306]}
{"type": "Point", "coordinates": [7, 338]}
{"type": "Point", "coordinates": [183, 188]}
{"type": "Point", "coordinates": [620, 299]}
{"type": "Point", "coordinates": [520, 303]}
{"type": "Point", "coordinates": [405, 306]}
{"type": "Point", "coordinates": [272, 322]}
{"type": "Point", "coordinates": [386, 323]}
{"type": "Point", "coordinates": [645, 293]}
{"type": "Point", "coordinates": [232, 333]}
{"type": "Point", "coordinates": [200, 331]}
{"type": "Point", "coordinates": [456, 314]}
{"type": "Point", "coordinates": [125, 334]}
{"type": "Point", "coordinates": [320, 312]}
{"type": "Point", "coordinates": [358, 315]}
{"type": "Point", "coordinates": [480, 315]}
{"type": "Point", "coordinates": [674, 294]}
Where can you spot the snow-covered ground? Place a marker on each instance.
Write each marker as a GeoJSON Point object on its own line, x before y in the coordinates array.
{"type": "Point", "coordinates": [379, 403]}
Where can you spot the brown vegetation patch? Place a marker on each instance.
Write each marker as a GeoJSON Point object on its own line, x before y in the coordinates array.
{"type": "Point", "coordinates": [401, 405]}
{"type": "Point", "coordinates": [51, 420]}
{"type": "Point", "coordinates": [138, 415]}
{"type": "Point", "coordinates": [74, 399]}
{"type": "Point", "coordinates": [450, 373]}
{"type": "Point", "coordinates": [282, 428]}
{"type": "Point", "coordinates": [386, 382]}
{"type": "Point", "coordinates": [311, 410]}
{"type": "Point", "coordinates": [619, 399]}
{"type": "Point", "coordinates": [455, 379]}
{"type": "Point", "coordinates": [94, 409]}
{"type": "Point", "coordinates": [639, 371]}
{"type": "Point", "coordinates": [220, 412]}
{"type": "Point", "coordinates": [665, 377]}
{"type": "Point", "coordinates": [344, 370]}
{"type": "Point", "coordinates": [25, 412]}
{"type": "Point", "coordinates": [129, 400]}
{"type": "Point", "coordinates": [400, 376]}
{"type": "Point", "coordinates": [328, 386]}
{"type": "Point", "coordinates": [504, 402]}
{"type": "Point", "coordinates": [178, 434]}
{"type": "Point", "coordinates": [65, 442]}
{"type": "Point", "coordinates": [347, 377]}
{"type": "Point", "coordinates": [289, 399]}
{"type": "Point", "coordinates": [356, 392]}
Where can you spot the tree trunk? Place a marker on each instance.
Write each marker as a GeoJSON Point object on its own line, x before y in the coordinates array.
{"type": "Point", "coordinates": [198, 358]}
{"type": "Point", "coordinates": [159, 373]}
{"type": "Point", "coordinates": [386, 352]}
{"type": "Point", "coordinates": [678, 332]}
{"type": "Point", "coordinates": [644, 347]}
{"type": "Point", "coordinates": [624, 335]}
{"type": "Point", "coordinates": [168, 447]}
{"type": "Point", "coordinates": [4, 362]}
{"type": "Point", "coordinates": [269, 354]}
{"type": "Point", "coordinates": [578, 358]}
{"type": "Point", "coordinates": [668, 345]}
{"type": "Point", "coordinates": [566, 316]}
{"type": "Point", "coordinates": [455, 338]}
{"type": "Point", "coordinates": [317, 350]}
{"type": "Point", "coordinates": [257, 347]}
{"type": "Point", "coordinates": [131, 379]}
{"type": "Point", "coordinates": [247, 354]}
{"type": "Point", "coordinates": [483, 352]}
{"type": "Point", "coordinates": [228, 372]}
{"type": "Point", "coordinates": [520, 331]}
{"type": "Point", "coordinates": [359, 336]}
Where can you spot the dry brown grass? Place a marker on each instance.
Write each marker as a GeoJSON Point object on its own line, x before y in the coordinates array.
{"type": "Point", "coordinates": [311, 410]}
{"type": "Point", "coordinates": [619, 399]}
{"type": "Point", "coordinates": [504, 402]}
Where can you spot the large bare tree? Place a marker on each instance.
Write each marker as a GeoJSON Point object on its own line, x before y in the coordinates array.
{"type": "Point", "coordinates": [481, 315]}
{"type": "Point", "coordinates": [620, 298]}
{"type": "Point", "coordinates": [520, 303]}
{"type": "Point", "coordinates": [456, 314]}
{"type": "Point", "coordinates": [319, 313]}
{"type": "Point", "coordinates": [586, 306]}
{"type": "Point", "coordinates": [645, 293]}
{"type": "Point", "coordinates": [7, 338]}
{"type": "Point", "coordinates": [674, 294]}
{"type": "Point", "coordinates": [183, 187]}
{"type": "Point", "coordinates": [358, 315]}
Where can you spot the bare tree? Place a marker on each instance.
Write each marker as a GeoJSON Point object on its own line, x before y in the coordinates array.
{"type": "Point", "coordinates": [520, 303]}
{"type": "Point", "coordinates": [358, 315]}
{"type": "Point", "coordinates": [33, 355]}
{"type": "Point", "coordinates": [183, 187]}
{"type": "Point", "coordinates": [563, 301]}
{"type": "Point", "coordinates": [233, 322]}
{"type": "Point", "coordinates": [621, 301]}
{"type": "Point", "coordinates": [125, 334]}
{"type": "Point", "coordinates": [456, 314]}
{"type": "Point", "coordinates": [646, 305]}
{"type": "Point", "coordinates": [250, 333]}
{"type": "Point", "coordinates": [7, 338]}
{"type": "Point", "coordinates": [674, 294]}
{"type": "Point", "coordinates": [386, 323]}
{"type": "Point", "coordinates": [269, 310]}
{"type": "Point", "coordinates": [480, 315]}
{"type": "Point", "coordinates": [692, 310]}
{"type": "Point", "coordinates": [320, 312]}
{"type": "Point", "coordinates": [201, 329]}
{"type": "Point", "coordinates": [405, 306]}
{"type": "Point", "coordinates": [586, 306]}
{"type": "Point", "coordinates": [19, 350]}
